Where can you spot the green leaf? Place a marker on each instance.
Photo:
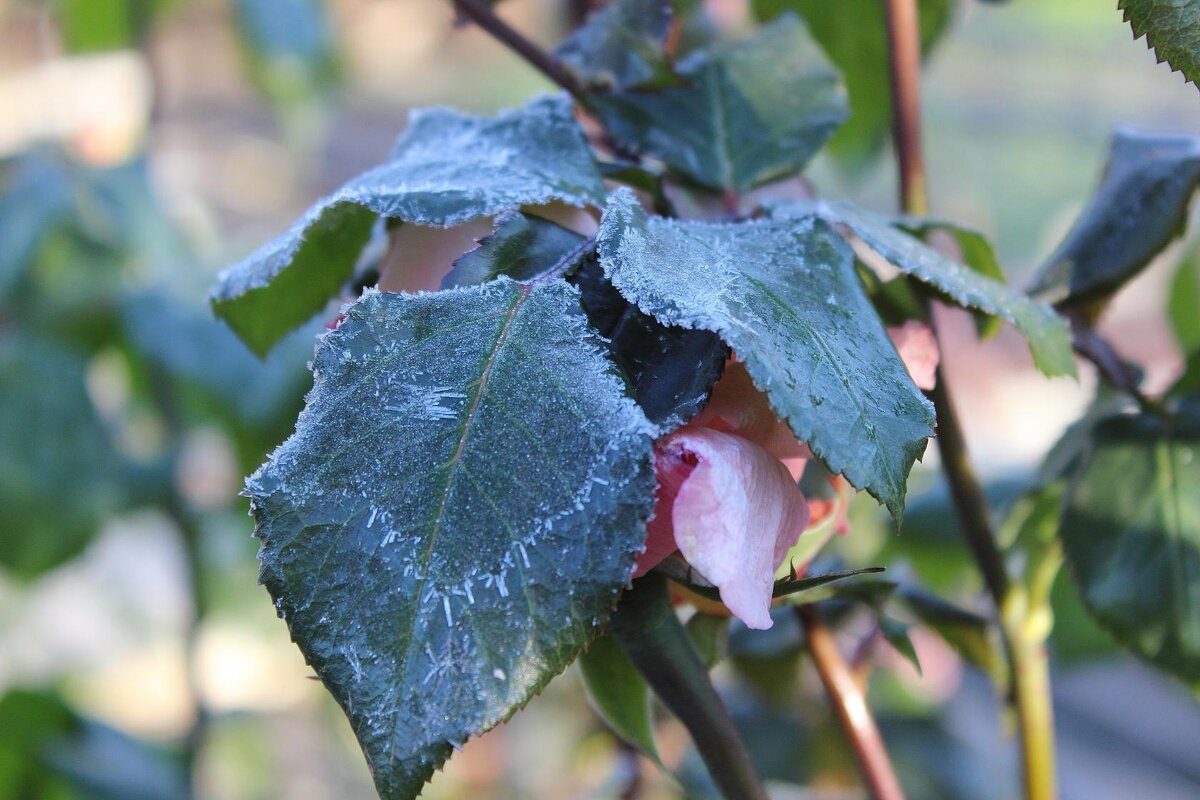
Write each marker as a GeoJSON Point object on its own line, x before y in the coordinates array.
{"type": "Point", "coordinates": [853, 34]}
{"type": "Point", "coordinates": [622, 46]}
{"type": "Point", "coordinates": [710, 636]}
{"type": "Point", "coordinates": [1183, 307]}
{"type": "Point", "coordinates": [521, 247]}
{"type": "Point", "coordinates": [785, 295]}
{"type": "Point", "coordinates": [966, 632]}
{"type": "Point", "coordinates": [447, 168]}
{"type": "Point", "coordinates": [461, 503]}
{"type": "Point", "coordinates": [35, 202]}
{"type": "Point", "coordinates": [753, 112]}
{"type": "Point", "coordinates": [1139, 207]}
{"type": "Point", "coordinates": [1183, 303]}
{"type": "Point", "coordinates": [214, 374]}
{"type": "Point", "coordinates": [90, 26]}
{"type": "Point", "coordinates": [1172, 28]}
{"type": "Point", "coordinates": [60, 477]}
{"type": "Point", "coordinates": [1131, 534]}
{"type": "Point", "coordinates": [896, 634]}
{"type": "Point", "coordinates": [1048, 336]}
{"type": "Point", "coordinates": [619, 694]}
{"type": "Point", "coordinates": [289, 46]}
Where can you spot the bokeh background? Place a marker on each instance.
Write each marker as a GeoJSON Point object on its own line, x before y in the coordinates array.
{"type": "Point", "coordinates": [146, 143]}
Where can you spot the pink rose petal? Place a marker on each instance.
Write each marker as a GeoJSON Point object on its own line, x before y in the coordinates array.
{"type": "Point", "coordinates": [738, 406]}
{"type": "Point", "coordinates": [734, 514]}
{"type": "Point", "coordinates": [918, 349]}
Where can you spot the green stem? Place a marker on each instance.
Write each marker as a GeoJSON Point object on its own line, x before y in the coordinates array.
{"type": "Point", "coordinates": [647, 630]}
{"type": "Point", "coordinates": [851, 706]}
{"type": "Point", "coordinates": [1023, 645]}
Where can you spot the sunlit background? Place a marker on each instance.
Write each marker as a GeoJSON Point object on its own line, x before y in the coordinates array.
{"type": "Point", "coordinates": [144, 144]}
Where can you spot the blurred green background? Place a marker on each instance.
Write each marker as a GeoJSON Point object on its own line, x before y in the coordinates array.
{"type": "Point", "coordinates": [146, 143]}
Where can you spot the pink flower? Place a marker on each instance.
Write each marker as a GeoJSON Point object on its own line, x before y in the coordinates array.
{"type": "Point", "coordinates": [731, 509]}
{"type": "Point", "coordinates": [918, 349]}
{"type": "Point", "coordinates": [727, 496]}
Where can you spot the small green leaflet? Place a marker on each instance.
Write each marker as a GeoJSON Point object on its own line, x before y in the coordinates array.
{"type": "Point", "coordinates": [451, 523]}
{"type": "Point", "coordinates": [1172, 28]}
{"type": "Point", "coordinates": [752, 112]}
{"type": "Point", "coordinates": [785, 296]}
{"type": "Point", "coordinates": [1139, 207]}
{"type": "Point", "coordinates": [447, 168]}
{"type": "Point", "coordinates": [1047, 333]}
{"type": "Point", "coordinates": [619, 694]}
{"type": "Point", "coordinates": [521, 246]}
{"type": "Point", "coordinates": [1131, 535]}
{"type": "Point", "coordinates": [854, 34]}
{"type": "Point", "coordinates": [621, 46]}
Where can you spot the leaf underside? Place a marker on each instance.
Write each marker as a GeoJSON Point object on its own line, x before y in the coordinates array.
{"type": "Point", "coordinates": [785, 296]}
{"type": "Point", "coordinates": [447, 168]}
{"type": "Point", "coordinates": [1139, 207]}
{"type": "Point", "coordinates": [1131, 536]}
{"type": "Point", "coordinates": [461, 503]}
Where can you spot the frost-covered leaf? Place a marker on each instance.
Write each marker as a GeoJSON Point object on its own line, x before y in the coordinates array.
{"type": "Point", "coordinates": [456, 513]}
{"type": "Point", "coordinates": [622, 46]}
{"type": "Point", "coordinates": [671, 370]}
{"type": "Point", "coordinates": [60, 476]}
{"type": "Point", "coordinates": [974, 250]}
{"type": "Point", "coordinates": [1047, 333]}
{"type": "Point", "coordinates": [1139, 207]}
{"type": "Point", "coordinates": [854, 35]}
{"type": "Point", "coordinates": [754, 111]}
{"type": "Point", "coordinates": [785, 295]}
{"type": "Point", "coordinates": [521, 247]}
{"type": "Point", "coordinates": [1131, 534]}
{"type": "Point", "coordinates": [1172, 28]}
{"type": "Point", "coordinates": [447, 168]}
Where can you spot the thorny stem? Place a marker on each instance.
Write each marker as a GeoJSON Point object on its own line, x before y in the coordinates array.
{"type": "Point", "coordinates": [482, 15]}
{"type": "Point", "coordinates": [1025, 650]}
{"type": "Point", "coordinates": [849, 702]}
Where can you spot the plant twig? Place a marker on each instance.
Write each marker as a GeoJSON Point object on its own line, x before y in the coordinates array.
{"type": "Point", "coordinates": [1091, 345]}
{"type": "Point", "coordinates": [1025, 652]}
{"type": "Point", "coordinates": [970, 502]}
{"type": "Point", "coordinates": [904, 56]}
{"type": "Point", "coordinates": [482, 15]}
{"type": "Point", "coordinates": [646, 629]}
{"type": "Point", "coordinates": [850, 704]}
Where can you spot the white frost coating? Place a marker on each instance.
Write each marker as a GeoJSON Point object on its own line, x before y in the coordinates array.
{"type": "Point", "coordinates": [467, 483]}
{"type": "Point", "coordinates": [447, 168]}
{"type": "Point", "coordinates": [1046, 331]}
{"type": "Point", "coordinates": [785, 296]}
